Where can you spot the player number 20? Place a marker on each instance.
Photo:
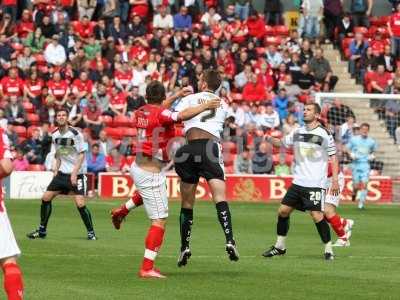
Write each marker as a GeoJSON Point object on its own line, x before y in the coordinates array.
{"type": "Point", "coordinates": [315, 196]}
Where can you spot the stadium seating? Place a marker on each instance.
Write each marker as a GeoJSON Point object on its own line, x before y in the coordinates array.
{"type": "Point", "coordinates": [36, 167]}
{"type": "Point", "coordinates": [20, 131]}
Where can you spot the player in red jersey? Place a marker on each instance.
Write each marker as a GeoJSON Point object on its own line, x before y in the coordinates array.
{"type": "Point", "coordinates": [155, 126]}
{"type": "Point", "coordinates": [9, 250]}
{"type": "Point", "coordinates": [341, 226]}
{"type": "Point", "coordinates": [118, 214]}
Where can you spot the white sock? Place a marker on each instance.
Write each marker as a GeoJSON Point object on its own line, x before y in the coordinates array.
{"type": "Point", "coordinates": [130, 204]}
{"type": "Point", "coordinates": [280, 242]}
{"type": "Point", "coordinates": [328, 247]}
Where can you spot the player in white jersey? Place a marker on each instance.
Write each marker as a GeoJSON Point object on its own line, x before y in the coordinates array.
{"type": "Point", "coordinates": [313, 147]}
{"type": "Point", "coordinates": [202, 157]}
{"type": "Point", "coordinates": [341, 226]}
{"type": "Point", "coordinates": [9, 250]}
{"type": "Point", "coordinates": [69, 175]}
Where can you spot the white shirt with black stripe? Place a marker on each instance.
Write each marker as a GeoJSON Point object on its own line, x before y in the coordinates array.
{"type": "Point", "coordinates": [312, 148]}
{"type": "Point", "coordinates": [67, 147]}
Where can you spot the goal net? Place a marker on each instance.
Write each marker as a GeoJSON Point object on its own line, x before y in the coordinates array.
{"type": "Point", "coordinates": [343, 113]}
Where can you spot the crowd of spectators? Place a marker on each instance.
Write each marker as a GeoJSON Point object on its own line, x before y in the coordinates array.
{"type": "Point", "coordinates": [96, 58]}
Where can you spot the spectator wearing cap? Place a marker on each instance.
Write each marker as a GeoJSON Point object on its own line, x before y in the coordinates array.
{"type": "Point", "coordinates": [357, 48]}
{"type": "Point", "coordinates": [321, 69]}
{"type": "Point", "coordinates": [280, 103]}
{"type": "Point", "coordinates": [163, 19]}
{"type": "Point", "coordinates": [254, 91]}
{"type": "Point", "coordinates": [20, 163]}
{"type": "Point", "coordinates": [361, 11]}
{"type": "Point", "coordinates": [91, 117]}
{"type": "Point", "coordinates": [182, 20]}
{"type": "Point", "coordinates": [345, 28]}
{"type": "Point", "coordinates": [55, 53]}
{"type": "Point", "coordinates": [268, 118]}
{"type": "Point", "coordinates": [96, 160]}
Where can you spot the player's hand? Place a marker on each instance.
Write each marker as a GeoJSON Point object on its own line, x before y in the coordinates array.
{"type": "Point", "coordinates": [334, 190]}
{"type": "Point", "coordinates": [213, 103]}
{"type": "Point", "coordinates": [187, 90]}
{"type": "Point", "coordinates": [74, 178]}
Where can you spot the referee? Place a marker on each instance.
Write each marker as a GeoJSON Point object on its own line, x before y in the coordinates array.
{"type": "Point", "coordinates": [313, 146]}
{"type": "Point", "coordinates": [69, 175]}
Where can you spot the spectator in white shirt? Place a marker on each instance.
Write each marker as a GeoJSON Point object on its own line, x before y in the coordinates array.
{"type": "Point", "coordinates": [268, 118]}
{"type": "Point", "coordinates": [163, 19]}
{"type": "Point", "coordinates": [238, 113]}
{"type": "Point", "coordinates": [55, 53]}
{"type": "Point", "coordinates": [139, 75]}
{"type": "Point", "coordinates": [211, 14]}
{"type": "Point", "coordinates": [243, 77]}
{"type": "Point", "coordinates": [274, 58]}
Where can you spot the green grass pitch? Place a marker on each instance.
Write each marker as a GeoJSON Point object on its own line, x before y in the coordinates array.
{"type": "Point", "coordinates": [66, 266]}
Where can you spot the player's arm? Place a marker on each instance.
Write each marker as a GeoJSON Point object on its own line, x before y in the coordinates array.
{"type": "Point", "coordinates": [335, 189]}
{"type": "Point", "coordinates": [167, 103]}
{"type": "Point", "coordinates": [81, 157]}
{"type": "Point", "coordinates": [191, 112]}
{"type": "Point", "coordinates": [57, 161]}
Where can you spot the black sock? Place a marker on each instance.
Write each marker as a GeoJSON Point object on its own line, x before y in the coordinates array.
{"type": "Point", "coordinates": [45, 213]}
{"type": "Point", "coordinates": [86, 218]}
{"type": "Point", "coordinates": [186, 222]}
{"type": "Point", "coordinates": [324, 231]}
{"type": "Point", "coordinates": [224, 217]}
{"type": "Point", "coordinates": [282, 227]}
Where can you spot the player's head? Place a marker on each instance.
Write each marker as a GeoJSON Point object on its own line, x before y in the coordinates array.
{"type": "Point", "coordinates": [364, 129]}
{"type": "Point", "coordinates": [210, 80]}
{"type": "Point", "coordinates": [155, 92]}
{"type": "Point", "coordinates": [62, 117]}
{"type": "Point", "coordinates": [312, 112]}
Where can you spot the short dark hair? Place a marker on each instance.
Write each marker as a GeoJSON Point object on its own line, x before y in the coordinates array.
{"type": "Point", "coordinates": [212, 78]}
{"type": "Point", "coordinates": [95, 145]}
{"type": "Point", "coordinates": [62, 109]}
{"type": "Point", "coordinates": [155, 92]}
{"type": "Point", "coordinates": [364, 125]}
{"type": "Point", "coordinates": [317, 108]}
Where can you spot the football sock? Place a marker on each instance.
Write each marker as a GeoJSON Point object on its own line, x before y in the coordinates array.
{"type": "Point", "coordinates": [224, 217]}
{"type": "Point", "coordinates": [328, 247]}
{"type": "Point", "coordinates": [45, 213]}
{"type": "Point", "coordinates": [324, 231]}
{"type": "Point", "coordinates": [337, 226]}
{"type": "Point", "coordinates": [86, 218]}
{"type": "Point", "coordinates": [282, 227]}
{"type": "Point", "coordinates": [343, 221]}
{"type": "Point", "coordinates": [153, 243]}
{"type": "Point", "coordinates": [186, 222]}
{"type": "Point", "coordinates": [134, 202]}
{"type": "Point", "coordinates": [363, 195]}
{"type": "Point", "coordinates": [280, 242]}
{"type": "Point", "coordinates": [13, 284]}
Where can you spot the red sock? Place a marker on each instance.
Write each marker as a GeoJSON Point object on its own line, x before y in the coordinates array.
{"type": "Point", "coordinates": [137, 199]}
{"type": "Point", "coordinates": [343, 222]}
{"type": "Point", "coordinates": [153, 243]}
{"type": "Point", "coordinates": [13, 284]}
{"type": "Point", "coordinates": [132, 203]}
{"type": "Point", "coordinates": [337, 226]}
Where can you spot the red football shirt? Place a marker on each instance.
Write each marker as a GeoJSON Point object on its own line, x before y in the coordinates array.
{"type": "Point", "coordinates": [155, 125]}
{"type": "Point", "coordinates": [84, 31]}
{"type": "Point", "coordinates": [395, 24]}
{"type": "Point", "coordinates": [118, 101]}
{"type": "Point", "coordinates": [123, 77]}
{"type": "Point", "coordinates": [58, 89]}
{"type": "Point", "coordinates": [12, 87]}
{"type": "Point", "coordinates": [24, 28]}
{"type": "Point", "coordinates": [35, 87]}
{"type": "Point", "coordinates": [81, 86]}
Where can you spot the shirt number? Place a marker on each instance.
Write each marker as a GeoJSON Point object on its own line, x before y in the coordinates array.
{"type": "Point", "coordinates": [315, 197]}
{"type": "Point", "coordinates": [208, 116]}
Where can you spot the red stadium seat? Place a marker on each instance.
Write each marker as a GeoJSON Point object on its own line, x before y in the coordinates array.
{"type": "Point", "coordinates": [367, 81]}
{"type": "Point", "coordinates": [375, 21]}
{"type": "Point", "coordinates": [130, 159]}
{"type": "Point", "coordinates": [237, 96]}
{"type": "Point", "coordinates": [33, 119]}
{"type": "Point", "coordinates": [260, 50]}
{"type": "Point", "coordinates": [113, 132]}
{"type": "Point", "coordinates": [269, 30]}
{"type": "Point", "coordinates": [346, 43]}
{"type": "Point", "coordinates": [363, 30]}
{"type": "Point", "coordinates": [281, 30]}
{"type": "Point", "coordinates": [17, 46]}
{"type": "Point", "coordinates": [229, 147]}
{"type": "Point", "coordinates": [36, 167]}
{"type": "Point", "coordinates": [107, 120]}
{"type": "Point", "coordinates": [20, 131]}
{"type": "Point", "coordinates": [229, 159]}
{"type": "Point", "coordinates": [206, 40]}
{"type": "Point", "coordinates": [127, 131]}
{"type": "Point", "coordinates": [121, 121]}
{"type": "Point", "coordinates": [384, 20]}
{"type": "Point", "coordinates": [28, 107]}
{"type": "Point", "coordinates": [30, 130]}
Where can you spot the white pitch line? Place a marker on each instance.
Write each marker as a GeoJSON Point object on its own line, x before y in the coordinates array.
{"type": "Point", "coordinates": [202, 256]}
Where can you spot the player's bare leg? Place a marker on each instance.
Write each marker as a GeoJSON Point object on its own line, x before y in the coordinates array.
{"type": "Point", "coordinates": [341, 226]}
{"type": "Point", "coordinates": [282, 229]}
{"type": "Point", "coordinates": [153, 244]}
{"type": "Point", "coordinates": [13, 283]}
{"type": "Point", "coordinates": [324, 233]}
{"type": "Point", "coordinates": [45, 213]}
{"type": "Point", "coordinates": [118, 214]}
{"type": "Point", "coordinates": [188, 194]}
{"type": "Point", "coordinates": [218, 188]}
{"type": "Point", "coordinates": [86, 216]}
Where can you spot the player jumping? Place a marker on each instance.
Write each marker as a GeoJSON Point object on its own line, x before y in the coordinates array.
{"type": "Point", "coordinates": [313, 146]}
{"type": "Point", "coordinates": [69, 175]}
{"type": "Point", "coordinates": [202, 157]}
{"type": "Point", "coordinates": [155, 126]}
{"type": "Point", "coordinates": [9, 250]}
{"type": "Point", "coordinates": [361, 149]}
{"type": "Point", "coordinates": [341, 226]}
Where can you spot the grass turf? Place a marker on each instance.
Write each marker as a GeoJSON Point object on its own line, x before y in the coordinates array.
{"type": "Point", "coordinates": [66, 266]}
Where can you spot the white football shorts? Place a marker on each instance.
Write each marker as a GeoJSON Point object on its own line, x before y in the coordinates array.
{"type": "Point", "coordinates": [8, 244]}
{"type": "Point", "coordinates": [331, 199]}
{"type": "Point", "coordinates": [153, 189]}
